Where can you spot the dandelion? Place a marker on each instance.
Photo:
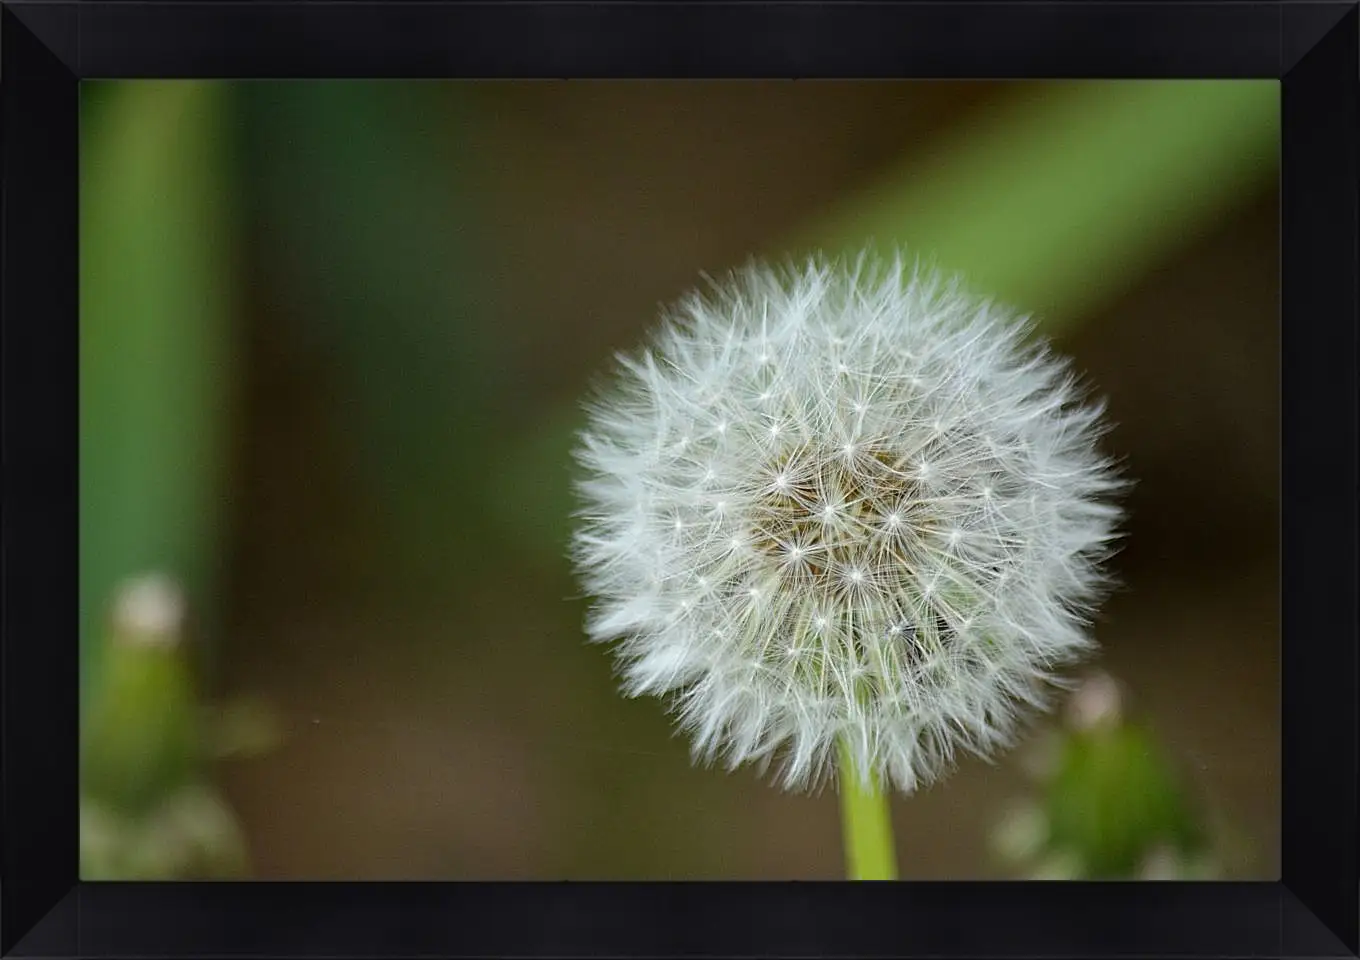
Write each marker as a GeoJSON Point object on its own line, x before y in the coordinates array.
{"type": "Point", "coordinates": [845, 516]}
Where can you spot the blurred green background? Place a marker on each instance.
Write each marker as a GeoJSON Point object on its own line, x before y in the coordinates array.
{"type": "Point", "coordinates": [333, 336]}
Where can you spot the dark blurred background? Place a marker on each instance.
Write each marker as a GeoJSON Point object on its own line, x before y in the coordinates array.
{"type": "Point", "coordinates": [333, 340]}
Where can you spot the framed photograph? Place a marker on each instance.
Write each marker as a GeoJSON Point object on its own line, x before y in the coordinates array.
{"type": "Point", "coordinates": [654, 479]}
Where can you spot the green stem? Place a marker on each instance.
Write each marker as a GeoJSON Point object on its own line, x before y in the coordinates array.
{"type": "Point", "coordinates": [866, 823]}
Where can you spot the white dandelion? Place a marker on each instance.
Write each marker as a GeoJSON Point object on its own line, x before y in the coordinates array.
{"type": "Point", "coordinates": [847, 505]}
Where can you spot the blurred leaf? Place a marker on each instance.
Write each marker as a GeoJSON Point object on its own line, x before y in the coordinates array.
{"type": "Point", "coordinates": [102, 839]}
{"type": "Point", "coordinates": [1069, 192]}
{"type": "Point", "coordinates": [1114, 800]}
{"type": "Point", "coordinates": [154, 338]}
{"type": "Point", "coordinates": [192, 834]}
{"type": "Point", "coordinates": [1111, 804]}
{"type": "Point", "coordinates": [147, 811]}
{"type": "Point", "coordinates": [206, 834]}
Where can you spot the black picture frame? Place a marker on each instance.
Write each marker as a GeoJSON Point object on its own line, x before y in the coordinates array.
{"type": "Point", "coordinates": [47, 48]}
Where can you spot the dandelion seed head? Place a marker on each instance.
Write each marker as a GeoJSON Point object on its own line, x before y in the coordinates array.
{"type": "Point", "coordinates": [885, 525]}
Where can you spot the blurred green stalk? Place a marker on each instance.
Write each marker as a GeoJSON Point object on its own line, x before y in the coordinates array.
{"type": "Point", "coordinates": [1067, 194]}
{"type": "Point", "coordinates": [154, 349]}
{"type": "Point", "coordinates": [866, 826]}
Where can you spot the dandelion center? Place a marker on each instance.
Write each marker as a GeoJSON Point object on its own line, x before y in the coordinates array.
{"type": "Point", "coordinates": [833, 530]}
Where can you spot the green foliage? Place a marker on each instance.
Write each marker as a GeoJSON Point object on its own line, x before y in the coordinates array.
{"type": "Point", "coordinates": [155, 354]}
{"type": "Point", "coordinates": [142, 738]}
{"type": "Point", "coordinates": [148, 810]}
{"type": "Point", "coordinates": [191, 834]}
{"type": "Point", "coordinates": [1115, 800]}
{"type": "Point", "coordinates": [1110, 804]}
